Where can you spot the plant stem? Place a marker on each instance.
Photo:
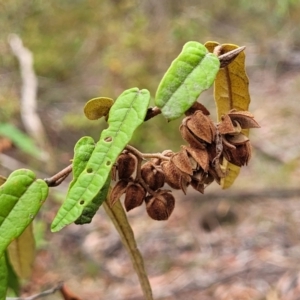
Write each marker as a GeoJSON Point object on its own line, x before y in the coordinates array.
{"type": "Point", "coordinates": [120, 221]}
{"type": "Point", "coordinates": [59, 177]}
{"type": "Point", "coordinates": [146, 155]}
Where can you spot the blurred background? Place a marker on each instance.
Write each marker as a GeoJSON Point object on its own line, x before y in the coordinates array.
{"type": "Point", "coordinates": [242, 243]}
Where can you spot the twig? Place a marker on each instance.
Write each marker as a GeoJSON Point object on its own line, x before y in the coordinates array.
{"type": "Point", "coordinates": [59, 177]}
{"type": "Point", "coordinates": [40, 295]}
{"type": "Point", "coordinates": [152, 112]}
{"type": "Point", "coordinates": [146, 155]}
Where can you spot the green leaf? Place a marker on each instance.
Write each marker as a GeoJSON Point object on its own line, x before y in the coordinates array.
{"type": "Point", "coordinates": [21, 252]}
{"type": "Point", "coordinates": [21, 197]}
{"type": "Point", "coordinates": [126, 114]}
{"type": "Point", "coordinates": [192, 72]}
{"type": "Point", "coordinates": [13, 281]}
{"type": "Point", "coordinates": [90, 210]}
{"type": "Point", "coordinates": [21, 140]}
{"type": "Point", "coordinates": [82, 153]}
{"type": "Point", "coordinates": [3, 278]}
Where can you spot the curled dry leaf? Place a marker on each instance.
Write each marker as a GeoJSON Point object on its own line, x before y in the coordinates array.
{"type": "Point", "coordinates": [161, 206]}
{"type": "Point", "coordinates": [135, 195]}
{"type": "Point", "coordinates": [126, 165]}
{"type": "Point", "coordinates": [118, 190]}
{"type": "Point", "coordinates": [152, 175]}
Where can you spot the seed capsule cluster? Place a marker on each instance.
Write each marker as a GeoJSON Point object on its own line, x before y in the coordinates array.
{"type": "Point", "coordinates": [197, 164]}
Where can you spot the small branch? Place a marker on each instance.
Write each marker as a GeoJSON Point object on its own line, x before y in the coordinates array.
{"type": "Point", "coordinates": [40, 295]}
{"type": "Point", "coordinates": [152, 112]}
{"type": "Point", "coordinates": [59, 177]}
{"type": "Point", "coordinates": [137, 153]}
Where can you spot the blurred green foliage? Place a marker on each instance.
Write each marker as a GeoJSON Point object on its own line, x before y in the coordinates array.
{"type": "Point", "coordinates": [84, 49]}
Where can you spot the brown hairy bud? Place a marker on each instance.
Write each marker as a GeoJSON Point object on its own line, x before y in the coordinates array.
{"type": "Point", "coordinates": [152, 175]}
{"type": "Point", "coordinates": [174, 177]}
{"type": "Point", "coordinates": [126, 165]}
{"type": "Point", "coordinates": [135, 195]}
{"type": "Point", "coordinates": [161, 206]}
{"type": "Point", "coordinates": [118, 190]}
{"type": "Point", "coordinates": [201, 126]}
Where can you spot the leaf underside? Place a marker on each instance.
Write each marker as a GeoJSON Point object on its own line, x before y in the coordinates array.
{"type": "Point", "coordinates": [231, 91]}
{"type": "Point", "coordinates": [126, 114]}
{"type": "Point", "coordinates": [192, 72]}
{"type": "Point", "coordinates": [21, 253]}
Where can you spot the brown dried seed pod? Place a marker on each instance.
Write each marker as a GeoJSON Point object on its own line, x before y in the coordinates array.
{"type": "Point", "coordinates": [239, 156]}
{"type": "Point", "coordinates": [118, 190]}
{"type": "Point", "coordinates": [244, 118]}
{"type": "Point", "coordinates": [201, 126]}
{"type": "Point", "coordinates": [126, 165]}
{"type": "Point", "coordinates": [174, 177]}
{"type": "Point", "coordinates": [237, 139]}
{"type": "Point", "coordinates": [190, 137]}
{"type": "Point", "coordinates": [135, 195]}
{"type": "Point", "coordinates": [152, 175]}
{"type": "Point", "coordinates": [200, 156]}
{"type": "Point", "coordinates": [182, 161]}
{"type": "Point", "coordinates": [160, 207]}
{"type": "Point", "coordinates": [197, 106]}
{"type": "Point", "coordinates": [198, 186]}
{"type": "Point", "coordinates": [226, 126]}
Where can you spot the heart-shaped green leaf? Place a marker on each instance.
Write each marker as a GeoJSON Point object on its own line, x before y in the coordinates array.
{"type": "Point", "coordinates": [99, 107]}
{"type": "Point", "coordinates": [21, 197]}
{"type": "Point", "coordinates": [127, 113]}
{"type": "Point", "coordinates": [192, 72]}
